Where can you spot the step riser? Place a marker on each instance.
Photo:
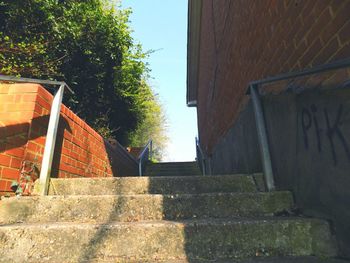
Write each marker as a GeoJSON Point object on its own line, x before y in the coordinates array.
{"type": "Point", "coordinates": [153, 185]}
{"type": "Point", "coordinates": [124, 220]}
{"type": "Point", "coordinates": [125, 243]}
{"type": "Point", "coordinates": [139, 208]}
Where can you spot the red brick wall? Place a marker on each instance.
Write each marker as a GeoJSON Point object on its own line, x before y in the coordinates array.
{"type": "Point", "coordinates": [24, 112]}
{"type": "Point", "coordinates": [135, 151]}
{"type": "Point", "coordinates": [245, 40]}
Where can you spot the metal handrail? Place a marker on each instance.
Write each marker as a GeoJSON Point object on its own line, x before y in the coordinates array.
{"type": "Point", "coordinates": [254, 91]}
{"type": "Point", "coordinates": [146, 150]}
{"type": "Point", "coordinates": [36, 81]}
{"type": "Point", "coordinates": [125, 152]}
{"type": "Point", "coordinates": [51, 135]}
{"type": "Point", "coordinates": [200, 158]}
{"type": "Point", "coordinates": [310, 71]}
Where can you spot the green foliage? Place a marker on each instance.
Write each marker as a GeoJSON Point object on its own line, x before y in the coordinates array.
{"type": "Point", "coordinates": [88, 44]}
{"type": "Point", "coordinates": [153, 124]}
{"type": "Point", "coordinates": [17, 56]}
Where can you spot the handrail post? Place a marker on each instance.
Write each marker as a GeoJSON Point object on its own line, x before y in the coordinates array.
{"type": "Point", "coordinates": [202, 157]}
{"type": "Point", "coordinates": [148, 148]}
{"type": "Point", "coordinates": [42, 187]}
{"type": "Point", "coordinates": [140, 168]}
{"type": "Point", "coordinates": [209, 170]}
{"type": "Point", "coordinates": [50, 142]}
{"type": "Point", "coordinates": [262, 138]}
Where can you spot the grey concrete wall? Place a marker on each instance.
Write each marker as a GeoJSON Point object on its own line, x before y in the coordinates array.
{"type": "Point", "coordinates": [237, 151]}
{"type": "Point", "coordinates": [309, 136]}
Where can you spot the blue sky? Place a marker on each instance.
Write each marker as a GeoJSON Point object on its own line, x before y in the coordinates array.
{"type": "Point", "coordinates": [162, 25]}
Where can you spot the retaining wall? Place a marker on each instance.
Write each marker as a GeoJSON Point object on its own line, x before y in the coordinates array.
{"type": "Point", "coordinates": [80, 151]}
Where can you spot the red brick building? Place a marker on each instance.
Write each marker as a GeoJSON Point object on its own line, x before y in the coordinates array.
{"type": "Point", "coordinates": [234, 42]}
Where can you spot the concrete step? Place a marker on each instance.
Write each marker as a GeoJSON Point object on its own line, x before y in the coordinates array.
{"type": "Point", "coordinates": [295, 260]}
{"type": "Point", "coordinates": [129, 208]}
{"type": "Point", "coordinates": [173, 164]}
{"type": "Point", "coordinates": [172, 169]}
{"type": "Point", "coordinates": [195, 168]}
{"type": "Point", "coordinates": [153, 185]}
{"type": "Point", "coordinates": [172, 173]}
{"type": "Point", "coordinates": [169, 167]}
{"type": "Point", "coordinates": [267, 260]}
{"type": "Point", "coordinates": [164, 240]}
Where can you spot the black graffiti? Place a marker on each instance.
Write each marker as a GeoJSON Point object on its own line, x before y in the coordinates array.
{"type": "Point", "coordinates": [317, 129]}
{"type": "Point", "coordinates": [306, 123]}
{"type": "Point", "coordinates": [310, 117]}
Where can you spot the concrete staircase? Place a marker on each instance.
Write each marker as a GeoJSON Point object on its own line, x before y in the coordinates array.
{"type": "Point", "coordinates": [172, 169]}
{"type": "Point", "coordinates": [160, 219]}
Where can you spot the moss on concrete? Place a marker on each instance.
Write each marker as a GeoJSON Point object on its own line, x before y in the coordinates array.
{"type": "Point", "coordinates": [141, 207]}
{"type": "Point", "coordinates": [122, 220]}
{"type": "Point", "coordinates": [153, 185]}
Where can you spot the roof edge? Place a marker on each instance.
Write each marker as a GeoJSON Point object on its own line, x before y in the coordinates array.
{"type": "Point", "coordinates": [193, 43]}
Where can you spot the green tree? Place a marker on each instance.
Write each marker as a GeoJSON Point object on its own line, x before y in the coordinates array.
{"type": "Point", "coordinates": [88, 44]}
{"type": "Point", "coordinates": [153, 124]}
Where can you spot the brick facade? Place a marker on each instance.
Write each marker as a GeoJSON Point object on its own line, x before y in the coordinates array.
{"type": "Point", "coordinates": [24, 113]}
{"type": "Point", "coordinates": [246, 40]}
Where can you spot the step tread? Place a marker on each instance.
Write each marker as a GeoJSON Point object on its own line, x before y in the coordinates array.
{"type": "Point", "coordinates": [210, 239]}
{"type": "Point", "coordinates": [184, 195]}
{"type": "Point", "coordinates": [84, 208]}
{"type": "Point", "coordinates": [179, 223]}
{"type": "Point", "coordinates": [295, 260]}
{"type": "Point", "coordinates": [217, 177]}
{"type": "Point", "coordinates": [156, 184]}
{"type": "Point", "coordinates": [265, 260]}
